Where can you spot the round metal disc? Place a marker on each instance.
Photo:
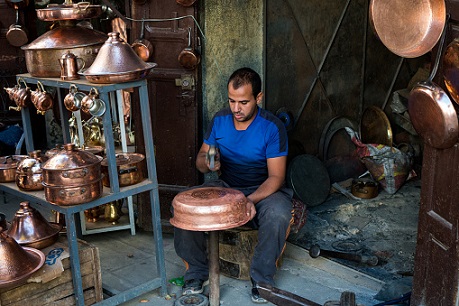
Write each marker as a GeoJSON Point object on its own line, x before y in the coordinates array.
{"type": "Point", "coordinates": [375, 127]}
{"type": "Point", "coordinates": [192, 300]}
{"type": "Point", "coordinates": [308, 177]}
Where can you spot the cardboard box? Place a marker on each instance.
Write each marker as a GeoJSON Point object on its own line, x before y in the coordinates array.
{"type": "Point", "coordinates": [56, 288]}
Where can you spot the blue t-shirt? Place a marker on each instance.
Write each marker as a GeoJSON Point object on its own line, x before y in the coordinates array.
{"type": "Point", "coordinates": [244, 154]}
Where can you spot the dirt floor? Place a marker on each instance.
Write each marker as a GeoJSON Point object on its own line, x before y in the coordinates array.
{"type": "Point", "coordinates": [385, 227]}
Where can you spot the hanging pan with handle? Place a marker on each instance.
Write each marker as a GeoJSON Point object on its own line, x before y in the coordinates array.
{"type": "Point", "coordinates": [451, 69]}
{"type": "Point", "coordinates": [408, 28]}
{"type": "Point", "coordinates": [16, 34]}
{"type": "Point", "coordinates": [189, 58]}
{"type": "Point", "coordinates": [143, 47]}
{"type": "Point", "coordinates": [431, 112]}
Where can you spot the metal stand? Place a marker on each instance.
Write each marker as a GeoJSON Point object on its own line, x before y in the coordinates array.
{"type": "Point", "coordinates": [109, 194]}
{"type": "Point", "coordinates": [214, 270]}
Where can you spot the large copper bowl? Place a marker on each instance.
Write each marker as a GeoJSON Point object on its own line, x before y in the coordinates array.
{"type": "Point", "coordinates": [29, 228]}
{"type": "Point", "coordinates": [17, 263]}
{"type": "Point", "coordinates": [209, 209]}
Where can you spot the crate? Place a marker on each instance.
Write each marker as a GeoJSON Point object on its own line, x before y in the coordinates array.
{"type": "Point", "coordinates": [59, 291]}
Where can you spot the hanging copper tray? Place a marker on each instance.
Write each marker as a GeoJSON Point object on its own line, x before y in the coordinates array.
{"type": "Point", "coordinates": [77, 11]}
{"type": "Point", "coordinates": [375, 127]}
{"type": "Point", "coordinates": [119, 77]}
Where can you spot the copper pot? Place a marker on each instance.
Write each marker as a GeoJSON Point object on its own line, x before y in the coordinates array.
{"type": "Point", "coordinates": [72, 195]}
{"type": "Point", "coordinates": [8, 166]}
{"type": "Point", "coordinates": [29, 173]}
{"type": "Point", "coordinates": [143, 47]}
{"type": "Point", "coordinates": [71, 167]}
{"type": "Point", "coordinates": [189, 58]}
{"type": "Point", "coordinates": [29, 228]}
{"type": "Point", "coordinates": [18, 262]}
{"type": "Point", "coordinates": [364, 189]}
{"type": "Point", "coordinates": [42, 55]}
{"type": "Point", "coordinates": [129, 166]}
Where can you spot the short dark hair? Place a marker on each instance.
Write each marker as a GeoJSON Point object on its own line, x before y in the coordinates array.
{"type": "Point", "coordinates": [245, 76]}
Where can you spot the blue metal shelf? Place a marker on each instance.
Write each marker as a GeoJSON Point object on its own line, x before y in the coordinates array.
{"type": "Point", "coordinates": [109, 194]}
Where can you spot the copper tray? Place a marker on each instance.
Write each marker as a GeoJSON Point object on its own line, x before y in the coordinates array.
{"type": "Point", "coordinates": [375, 127]}
{"type": "Point", "coordinates": [119, 77]}
{"type": "Point", "coordinates": [77, 11]}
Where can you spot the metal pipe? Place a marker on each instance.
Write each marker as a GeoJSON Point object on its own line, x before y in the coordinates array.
{"type": "Point", "coordinates": [214, 270]}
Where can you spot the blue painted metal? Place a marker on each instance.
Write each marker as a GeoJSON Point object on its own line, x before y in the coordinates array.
{"type": "Point", "coordinates": [110, 194]}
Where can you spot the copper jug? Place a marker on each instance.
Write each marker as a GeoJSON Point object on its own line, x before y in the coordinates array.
{"type": "Point", "coordinates": [69, 66]}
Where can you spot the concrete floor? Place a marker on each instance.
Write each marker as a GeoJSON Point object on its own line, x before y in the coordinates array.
{"type": "Point", "coordinates": [129, 260]}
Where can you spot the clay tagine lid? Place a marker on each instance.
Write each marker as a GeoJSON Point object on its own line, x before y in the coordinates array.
{"type": "Point", "coordinates": [17, 263]}
{"type": "Point", "coordinates": [30, 228]}
{"type": "Point", "coordinates": [209, 209]}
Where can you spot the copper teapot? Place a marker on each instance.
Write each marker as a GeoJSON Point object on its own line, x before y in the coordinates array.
{"type": "Point", "coordinates": [69, 66]}
{"type": "Point", "coordinates": [20, 95]}
{"type": "Point", "coordinates": [42, 99]}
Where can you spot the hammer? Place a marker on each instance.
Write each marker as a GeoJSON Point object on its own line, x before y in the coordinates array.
{"type": "Point", "coordinates": [315, 251]}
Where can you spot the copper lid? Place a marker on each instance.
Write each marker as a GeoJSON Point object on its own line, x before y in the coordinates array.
{"type": "Point", "coordinates": [29, 227]}
{"type": "Point", "coordinates": [209, 208]}
{"type": "Point", "coordinates": [67, 37]}
{"type": "Point", "coordinates": [70, 158]}
{"type": "Point", "coordinates": [116, 56]}
{"type": "Point", "coordinates": [17, 263]}
{"type": "Point", "coordinates": [11, 161]}
{"type": "Point", "coordinates": [125, 159]}
{"type": "Point", "coordinates": [31, 164]}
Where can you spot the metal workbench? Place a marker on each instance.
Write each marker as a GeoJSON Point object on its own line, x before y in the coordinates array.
{"type": "Point", "coordinates": [109, 194]}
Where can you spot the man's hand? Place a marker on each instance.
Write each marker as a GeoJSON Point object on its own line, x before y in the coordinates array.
{"type": "Point", "coordinates": [251, 211]}
{"type": "Point", "coordinates": [213, 159]}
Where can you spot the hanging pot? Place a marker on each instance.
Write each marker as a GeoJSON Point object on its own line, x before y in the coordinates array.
{"type": "Point", "coordinates": [42, 99]}
{"type": "Point", "coordinates": [188, 58]}
{"type": "Point", "coordinates": [407, 31]}
{"type": "Point", "coordinates": [431, 112]}
{"type": "Point", "coordinates": [22, 96]}
{"type": "Point", "coordinates": [185, 2]}
{"type": "Point", "coordinates": [17, 35]}
{"type": "Point", "coordinates": [143, 47]}
{"type": "Point", "coordinates": [451, 69]}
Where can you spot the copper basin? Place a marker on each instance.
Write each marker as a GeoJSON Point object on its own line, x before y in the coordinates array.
{"type": "Point", "coordinates": [8, 165]}
{"type": "Point", "coordinates": [18, 262]}
{"type": "Point", "coordinates": [209, 209]}
{"type": "Point", "coordinates": [29, 228]}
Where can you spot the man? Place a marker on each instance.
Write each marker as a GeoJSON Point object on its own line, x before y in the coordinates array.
{"type": "Point", "coordinates": [252, 157]}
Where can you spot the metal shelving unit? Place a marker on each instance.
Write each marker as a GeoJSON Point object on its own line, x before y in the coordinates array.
{"type": "Point", "coordinates": [109, 194]}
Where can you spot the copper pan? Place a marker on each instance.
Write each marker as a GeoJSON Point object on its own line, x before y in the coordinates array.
{"type": "Point", "coordinates": [406, 30]}
{"type": "Point", "coordinates": [189, 58]}
{"type": "Point", "coordinates": [451, 69]}
{"type": "Point", "coordinates": [431, 112]}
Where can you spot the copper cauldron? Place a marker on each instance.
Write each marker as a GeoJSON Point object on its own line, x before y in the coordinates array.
{"type": "Point", "coordinates": [29, 228]}
{"type": "Point", "coordinates": [209, 209]}
{"type": "Point", "coordinates": [71, 167]}
{"type": "Point", "coordinates": [72, 195]}
{"type": "Point", "coordinates": [130, 168]}
{"type": "Point", "coordinates": [8, 165]}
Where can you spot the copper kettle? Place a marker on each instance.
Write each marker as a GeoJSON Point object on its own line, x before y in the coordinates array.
{"type": "Point", "coordinates": [69, 66]}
